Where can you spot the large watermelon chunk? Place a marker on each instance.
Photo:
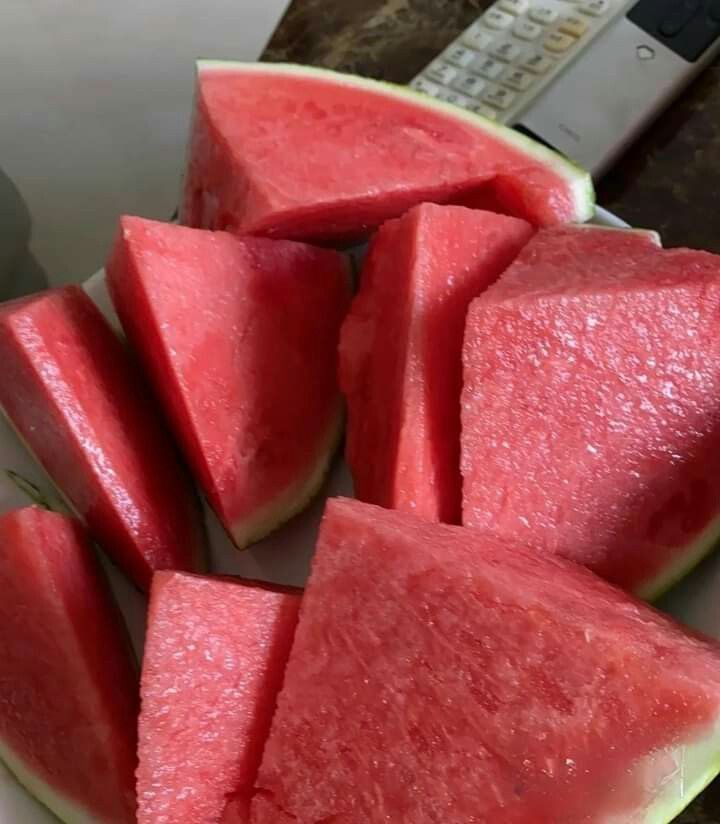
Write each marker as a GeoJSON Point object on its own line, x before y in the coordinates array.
{"type": "Point", "coordinates": [68, 683]}
{"type": "Point", "coordinates": [309, 154]}
{"type": "Point", "coordinates": [591, 407]}
{"type": "Point", "coordinates": [215, 656]}
{"type": "Point", "coordinates": [401, 352]}
{"type": "Point", "coordinates": [75, 397]}
{"type": "Point", "coordinates": [239, 336]}
{"type": "Point", "coordinates": [438, 675]}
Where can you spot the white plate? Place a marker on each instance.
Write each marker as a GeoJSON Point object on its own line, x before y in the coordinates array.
{"type": "Point", "coordinates": [284, 557]}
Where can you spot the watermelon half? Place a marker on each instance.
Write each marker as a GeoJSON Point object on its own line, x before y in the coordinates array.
{"type": "Point", "coordinates": [239, 337]}
{"type": "Point", "coordinates": [310, 154]}
{"type": "Point", "coordinates": [439, 675]}
{"type": "Point", "coordinates": [591, 406]}
{"type": "Point", "coordinates": [68, 682]}
{"type": "Point", "coordinates": [401, 352]}
{"type": "Point", "coordinates": [214, 660]}
{"type": "Point", "coordinates": [76, 399]}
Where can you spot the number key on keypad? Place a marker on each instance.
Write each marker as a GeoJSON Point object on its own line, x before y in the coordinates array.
{"type": "Point", "coordinates": [485, 111]}
{"type": "Point", "coordinates": [537, 63]}
{"type": "Point", "coordinates": [441, 72]}
{"type": "Point", "coordinates": [454, 97]}
{"type": "Point", "coordinates": [514, 6]}
{"type": "Point", "coordinates": [574, 25]}
{"type": "Point", "coordinates": [459, 56]}
{"type": "Point", "coordinates": [469, 84]}
{"type": "Point", "coordinates": [420, 84]}
{"type": "Point", "coordinates": [495, 19]}
{"type": "Point", "coordinates": [526, 30]}
{"type": "Point", "coordinates": [595, 8]}
{"type": "Point", "coordinates": [558, 42]}
{"type": "Point", "coordinates": [488, 67]}
{"type": "Point", "coordinates": [506, 51]}
{"type": "Point", "coordinates": [477, 37]}
{"type": "Point", "coordinates": [499, 98]}
{"type": "Point", "coordinates": [544, 15]}
{"type": "Point", "coordinates": [517, 79]}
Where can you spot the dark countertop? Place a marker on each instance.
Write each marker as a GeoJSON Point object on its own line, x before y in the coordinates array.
{"type": "Point", "coordinates": [669, 180]}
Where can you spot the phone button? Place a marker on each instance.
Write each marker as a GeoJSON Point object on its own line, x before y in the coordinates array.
{"type": "Point", "coordinates": [538, 63]}
{"type": "Point", "coordinates": [681, 15]}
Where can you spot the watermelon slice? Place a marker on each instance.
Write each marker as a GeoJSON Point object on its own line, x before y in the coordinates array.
{"type": "Point", "coordinates": [215, 655]}
{"type": "Point", "coordinates": [68, 683]}
{"type": "Point", "coordinates": [75, 398]}
{"type": "Point", "coordinates": [309, 154]}
{"type": "Point", "coordinates": [438, 675]}
{"type": "Point", "coordinates": [401, 352]}
{"type": "Point", "coordinates": [591, 407]}
{"type": "Point", "coordinates": [240, 339]}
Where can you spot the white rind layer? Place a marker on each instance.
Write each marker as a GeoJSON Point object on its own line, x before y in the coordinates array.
{"type": "Point", "coordinates": [62, 807]}
{"type": "Point", "coordinates": [696, 765]}
{"type": "Point", "coordinates": [293, 499]}
{"type": "Point", "coordinates": [683, 564]}
{"type": "Point", "coordinates": [578, 181]}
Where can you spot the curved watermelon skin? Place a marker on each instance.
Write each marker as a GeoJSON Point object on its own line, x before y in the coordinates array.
{"type": "Point", "coordinates": [214, 660]}
{"type": "Point", "coordinates": [439, 674]}
{"type": "Point", "coordinates": [68, 690]}
{"type": "Point", "coordinates": [401, 352]}
{"type": "Point", "coordinates": [363, 152]}
{"type": "Point", "coordinates": [77, 401]}
{"type": "Point", "coordinates": [239, 338]}
{"type": "Point", "coordinates": [590, 405]}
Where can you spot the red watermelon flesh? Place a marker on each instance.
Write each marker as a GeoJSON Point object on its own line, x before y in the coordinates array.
{"type": "Point", "coordinates": [591, 407]}
{"type": "Point", "coordinates": [439, 675]}
{"type": "Point", "coordinates": [215, 655]}
{"type": "Point", "coordinates": [239, 336]}
{"type": "Point", "coordinates": [73, 394]}
{"type": "Point", "coordinates": [401, 352]}
{"type": "Point", "coordinates": [68, 684]}
{"type": "Point", "coordinates": [310, 154]}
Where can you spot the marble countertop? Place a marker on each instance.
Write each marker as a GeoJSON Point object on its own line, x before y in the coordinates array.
{"type": "Point", "coordinates": [669, 180]}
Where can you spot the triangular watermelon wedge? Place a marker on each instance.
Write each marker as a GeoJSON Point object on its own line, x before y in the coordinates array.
{"type": "Point", "coordinates": [438, 675]}
{"type": "Point", "coordinates": [591, 404]}
{"type": "Point", "coordinates": [214, 660]}
{"type": "Point", "coordinates": [239, 337]}
{"type": "Point", "coordinates": [310, 154]}
{"type": "Point", "coordinates": [68, 681]}
{"type": "Point", "coordinates": [401, 352]}
{"type": "Point", "coordinates": [78, 402]}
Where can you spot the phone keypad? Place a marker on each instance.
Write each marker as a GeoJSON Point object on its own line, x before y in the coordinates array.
{"type": "Point", "coordinates": [504, 59]}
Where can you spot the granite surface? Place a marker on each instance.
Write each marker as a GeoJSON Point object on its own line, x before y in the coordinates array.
{"type": "Point", "coordinates": [669, 180]}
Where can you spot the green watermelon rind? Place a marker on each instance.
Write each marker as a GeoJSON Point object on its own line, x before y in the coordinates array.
{"type": "Point", "coordinates": [60, 806]}
{"type": "Point", "coordinates": [651, 234]}
{"type": "Point", "coordinates": [699, 764]}
{"type": "Point", "coordinates": [294, 499]}
{"type": "Point", "coordinates": [579, 182]}
{"type": "Point", "coordinates": [683, 564]}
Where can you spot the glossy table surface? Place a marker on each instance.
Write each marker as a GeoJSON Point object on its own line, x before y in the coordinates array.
{"type": "Point", "coordinates": [669, 180]}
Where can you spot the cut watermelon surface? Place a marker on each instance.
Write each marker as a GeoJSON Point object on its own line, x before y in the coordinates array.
{"type": "Point", "coordinates": [74, 396]}
{"type": "Point", "coordinates": [438, 675]}
{"type": "Point", "coordinates": [68, 685]}
{"type": "Point", "coordinates": [310, 154]}
{"type": "Point", "coordinates": [401, 352]}
{"type": "Point", "coordinates": [239, 336]}
{"type": "Point", "coordinates": [591, 406]}
{"type": "Point", "coordinates": [214, 660]}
